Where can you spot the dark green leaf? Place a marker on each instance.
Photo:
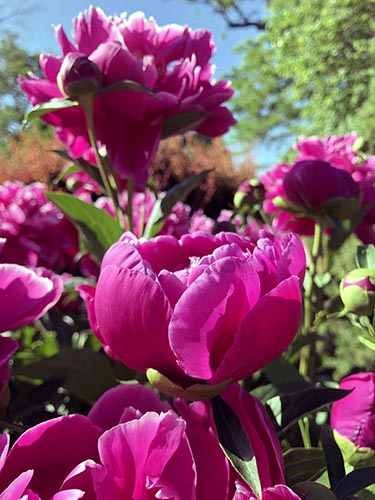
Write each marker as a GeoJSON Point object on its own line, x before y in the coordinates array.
{"type": "Point", "coordinates": [281, 374]}
{"type": "Point", "coordinates": [354, 482]}
{"type": "Point", "coordinates": [289, 408]}
{"type": "Point", "coordinates": [235, 443]}
{"type": "Point", "coordinates": [308, 490]}
{"type": "Point", "coordinates": [99, 229]}
{"type": "Point", "coordinates": [85, 373]}
{"type": "Point", "coordinates": [365, 256]}
{"type": "Point", "coordinates": [303, 464]}
{"type": "Point", "coordinates": [333, 456]}
{"type": "Point", "coordinates": [87, 167]}
{"type": "Point", "coordinates": [126, 85]}
{"type": "Point", "coordinates": [177, 124]}
{"type": "Point", "coordinates": [55, 104]}
{"type": "Point", "coordinates": [164, 206]}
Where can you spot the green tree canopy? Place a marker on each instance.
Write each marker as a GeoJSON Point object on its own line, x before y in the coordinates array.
{"type": "Point", "coordinates": [14, 60]}
{"type": "Point", "coordinates": [308, 72]}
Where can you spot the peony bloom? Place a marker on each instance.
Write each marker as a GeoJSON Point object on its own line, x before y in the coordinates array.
{"type": "Point", "coordinates": [353, 419]}
{"type": "Point", "coordinates": [318, 188]}
{"type": "Point", "coordinates": [36, 231]}
{"type": "Point", "coordinates": [202, 308]}
{"type": "Point", "coordinates": [295, 197]}
{"type": "Point", "coordinates": [172, 61]}
{"type": "Point", "coordinates": [26, 294]}
{"type": "Point", "coordinates": [279, 492]}
{"type": "Point", "coordinates": [166, 452]}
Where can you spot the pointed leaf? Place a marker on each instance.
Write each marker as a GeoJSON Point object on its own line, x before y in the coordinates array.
{"type": "Point", "coordinates": [313, 491]}
{"type": "Point", "coordinates": [235, 444]}
{"type": "Point", "coordinates": [164, 206]}
{"type": "Point", "coordinates": [289, 408]}
{"type": "Point", "coordinates": [126, 85]}
{"type": "Point", "coordinates": [176, 124]}
{"type": "Point", "coordinates": [85, 373]}
{"type": "Point", "coordinates": [99, 229]}
{"type": "Point", "coordinates": [354, 482]}
{"type": "Point", "coordinates": [55, 104]}
{"type": "Point", "coordinates": [303, 464]}
{"type": "Point", "coordinates": [333, 456]}
{"type": "Point", "coordinates": [87, 167]}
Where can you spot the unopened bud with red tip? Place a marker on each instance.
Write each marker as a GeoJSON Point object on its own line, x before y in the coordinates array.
{"type": "Point", "coordinates": [78, 76]}
{"type": "Point", "coordinates": [357, 291]}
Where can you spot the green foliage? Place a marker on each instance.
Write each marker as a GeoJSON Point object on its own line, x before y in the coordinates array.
{"type": "Point", "coordinates": [310, 72]}
{"type": "Point", "coordinates": [14, 61]}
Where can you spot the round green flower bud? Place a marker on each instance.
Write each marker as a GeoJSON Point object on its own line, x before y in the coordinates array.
{"type": "Point", "coordinates": [357, 291]}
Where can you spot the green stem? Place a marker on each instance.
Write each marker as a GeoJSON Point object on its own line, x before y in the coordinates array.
{"type": "Point", "coordinates": [129, 208]}
{"type": "Point", "coordinates": [307, 352]}
{"type": "Point", "coordinates": [87, 106]}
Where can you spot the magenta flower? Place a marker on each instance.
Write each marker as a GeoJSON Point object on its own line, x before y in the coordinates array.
{"type": "Point", "coordinates": [319, 188]}
{"type": "Point", "coordinates": [279, 492]}
{"type": "Point", "coordinates": [36, 231]}
{"type": "Point", "coordinates": [337, 150]}
{"type": "Point", "coordinates": [50, 451]}
{"type": "Point", "coordinates": [28, 294]}
{"type": "Point", "coordinates": [310, 191]}
{"type": "Point", "coordinates": [199, 307]}
{"type": "Point", "coordinates": [353, 417]}
{"type": "Point", "coordinates": [172, 61]}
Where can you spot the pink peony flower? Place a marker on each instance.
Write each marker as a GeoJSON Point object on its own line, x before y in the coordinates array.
{"type": "Point", "coordinates": [172, 61]}
{"type": "Point", "coordinates": [195, 308]}
{"type": "Point", "coordinates": [28, 294]}
{"type": "Point", "coordinates": [317, 187]}
{"type": "Point", "coordinates": [279, 492]}
{"type": "Point", "coordinates": [353, 417]}
{"type": "Point", "coordinates": [165, 452]}
{"type": "Point", "coordinates": [35, 230]}
{"type": "Point", "coordinates": [336, 150]}
{"type": "Point", "coordinates": [313, 189]}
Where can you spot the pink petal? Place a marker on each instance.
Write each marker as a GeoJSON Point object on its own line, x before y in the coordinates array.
{"type": "Point", "coordinates": [206, 318]}
{"type": "Point", "coordinates": [262, 336]}
{"type": "Point", "coordinates": [108, 410]}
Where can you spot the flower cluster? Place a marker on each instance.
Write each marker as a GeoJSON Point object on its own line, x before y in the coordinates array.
{"type": "Point", "coordinates": [173, 62]}
{"type": "Point", "coordinates": [36, 232]}
{"type": "Point", "coordinates": [74, 456]}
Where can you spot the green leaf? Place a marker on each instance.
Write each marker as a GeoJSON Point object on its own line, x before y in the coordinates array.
{"type": "Point", "coordinates": [333, 456]}
{"type": "Point", "coordinates": [85, 373]}
{"type": "Point", "coordinates": [55, 104]}
{"type": "Point", "coordinates": [82, 164]}
{"type": "Point", "coordinates": [354, 482]}
{"type": "Point", "coordinates": [126, 85]}
{"type": "Point", "coordinates": [235, 444]}
{"type": "Point", "coordinates": [164, 206]}
{"type": "Point", "coordinates": [365, 256]}
{"type": "Point", "coordinates": [313, 491]}
{"type": "Point", "coordinates": [303, 464]}
{"type": "Point", "coordinates": [99, 229]}
{"type": "Point", "coordinates": [288, 408]}
{"type": "Point", "coordinates": [177, 124]}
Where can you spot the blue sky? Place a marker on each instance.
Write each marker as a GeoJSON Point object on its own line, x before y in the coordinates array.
{"type": "Point", "coordinates": [36, 33]}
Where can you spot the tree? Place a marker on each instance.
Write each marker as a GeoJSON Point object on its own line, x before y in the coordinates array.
{"type": "Point", "coordinates": [14, 60]}
{"type": "Point", "coordinates": [237, 13]}
{"type": "Point", "coordinates": [309, 71]}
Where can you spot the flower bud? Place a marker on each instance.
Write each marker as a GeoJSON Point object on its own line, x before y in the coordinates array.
{"type": "Point", "coordinates": [78, 76]}
{"type": "Point", "coordinates": [357, 291]}
{"type": "Point", "coordinates": [353, 419]}
{"type": "Point", "coordinates": [248, 194]}
{"type": "Point", "coordinates": [318, 187]}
